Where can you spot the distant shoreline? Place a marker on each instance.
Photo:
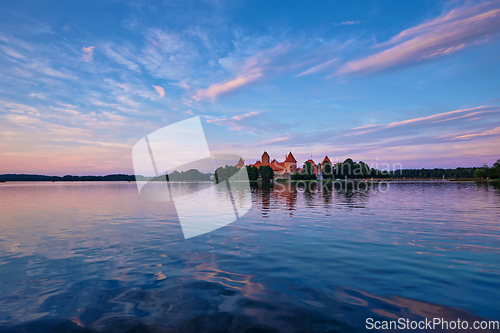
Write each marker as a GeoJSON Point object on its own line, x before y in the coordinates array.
{"type": "Point", "coordinates": [132, 178]}
{"type": "Point", "coordinates": [34, 178]}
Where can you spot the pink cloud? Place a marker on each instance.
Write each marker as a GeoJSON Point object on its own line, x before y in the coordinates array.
{"type": "Point", "coordinates": [444, 35]}
{"type": "Point", "coordinates": [492, 132]}
{"type": "Point", "coordinates": [183, 84]}
{"type": "Point", "coordinates": [88, 53]}
{"type": "Point", "coordinates": [253, 69]}
{"type": "Point", "coordinates": [246, 115]}
{"type": "Point", "coordinates": [160, 91]}
{"type": "Point", "coordinates": [266, 142]}
{"type": "Point", "coordinates": [434, 116]}
{"type": "Point", "coordinates": [239, 81]}
{"type": "Point", "coordinates": [459, 117]}
{"type": "Point", "coordinates": [451, 16]}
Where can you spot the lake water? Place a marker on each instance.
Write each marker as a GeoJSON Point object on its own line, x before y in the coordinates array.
{"type": "Point", "coordinates": [94, 257]}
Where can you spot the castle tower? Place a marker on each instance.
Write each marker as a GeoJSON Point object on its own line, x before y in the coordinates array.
{"type": "Point", "coordinates": [240, 164]}
{"type": "Point", "coordinates": [265, 158]}
{"type": "Point", "coordinates": [326, 159]}
{"type": "Point", "coordinates": [290, 164]}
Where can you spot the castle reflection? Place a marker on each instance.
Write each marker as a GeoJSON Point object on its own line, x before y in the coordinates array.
{"type": "Point", "coordinates": [290, 196]}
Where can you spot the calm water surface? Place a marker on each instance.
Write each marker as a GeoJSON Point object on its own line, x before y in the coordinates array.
{"type": "Point", "coordinates": [94, 257]}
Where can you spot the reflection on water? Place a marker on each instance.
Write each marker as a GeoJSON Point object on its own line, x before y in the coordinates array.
{"type": "Point", "coordinates": [94, 257]}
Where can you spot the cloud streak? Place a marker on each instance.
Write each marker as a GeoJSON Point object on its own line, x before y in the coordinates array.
{"type": "Point", "coordinates": [321, 67]}
{"type": "Point", "coordinates": [426, 121]}
{"type": "Point", "coordinates": [217, 89]}
{"type": "Point", "coordinates": [492, 132]}
{"type": "Point", "coordinates": [267, 142]}
{"type": "Point", "coordinates": [236, 123]}
{"type": "Point", "coordinates": [444, 35]}
{"type": "Point", "coordinates": [254, 69]}
{"type": "Point", "coordinates": [347, 23]}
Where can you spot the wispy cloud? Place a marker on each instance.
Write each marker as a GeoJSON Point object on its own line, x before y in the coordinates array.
{"type": "Point", "coordinates": [160, 91]}
{"type": "Point", "coordinates": [246, 115]}
{"type": "Point", "coordinates": [121, 54]}
{"type": "Point", "coordinates": [267, 142]}
{"type": "Point", "coordinates": [168, 55]}
{"type": "Point", "coordinates": [236, 123]}
{"type": "Point", "coordinates": [221, 88]}
{"type": "Point", "coordinates": [183, 84]}
{"type": "Point", "coordinates": [11, 52]}
{"type": "Point", "coordinates": [348, 23]}
{"type": "Point", "coordinates": [321, 67]}
{"type": "Point", "coordinates": [88, 53]}
{"type": "Point", "coordinates": [41, 96]}
{"type": "Point", "coordinates": [254, 68]}
{"type": "Point", "coordinates": [456, 14]}
{"type": "Point", "coordinates": [444, 35]}
{"type": "Point", "coordinates": [428, 120]}
{"type": "Point", "coordinates": [492, 132]}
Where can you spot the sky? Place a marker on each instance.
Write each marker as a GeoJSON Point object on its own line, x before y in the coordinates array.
{"type": "Point", "coordinates": [409, 82]}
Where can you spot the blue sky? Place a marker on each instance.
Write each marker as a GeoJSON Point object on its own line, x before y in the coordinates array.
{"type": "Point", "coordinates": [410, 82]}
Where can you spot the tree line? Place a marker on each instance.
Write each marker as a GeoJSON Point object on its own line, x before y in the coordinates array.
{"type": "Point", "coordinates": [360, 170]}
{"type": "Point", "coordinates": [189, 175]}
{"type": "Point", "coordinates": [346, 169]}
{"type": "Point", "coordinates": [34, 178]}
{"type": "Point", "coordinates": [486, 172]}
{"type": "Point", "coordinates": [264, 172]}
{"type": "Point", "coordinates": [457, 173]}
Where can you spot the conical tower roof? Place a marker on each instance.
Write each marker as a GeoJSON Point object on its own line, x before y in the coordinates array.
{"type": "Point", "coordinates": [240, 163]}
{"type": "Point", "coordinates": [290, 158]}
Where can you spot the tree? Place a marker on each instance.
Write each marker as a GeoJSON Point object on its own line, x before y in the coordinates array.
{"type": "Point", "coordinates": [327, 170]}
{"type": "Point", "coordinates": [190, 175]}
{"type": "Point", "coordinates": [346, 168]}
{"type": "Point", "coordinates": [225, 173]}
{"type": "Point", "coordinates": [495, 170]}
{"type": "Point", "coordinates": [266, 173]}
{"type": "Point", "coordinates": [365, 169]}
{"type": "Point", "coordinates": [308, 171]}
{"type": "Point", "coordinates": [479, 174]}
{"type": "Point", "coordinates": [496, 165]}
{"type": "Point", "coordinates": [253, 173]}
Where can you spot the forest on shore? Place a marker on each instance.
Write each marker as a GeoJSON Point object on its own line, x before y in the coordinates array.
{"type": "Point", "coordinates": [360, 170]}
